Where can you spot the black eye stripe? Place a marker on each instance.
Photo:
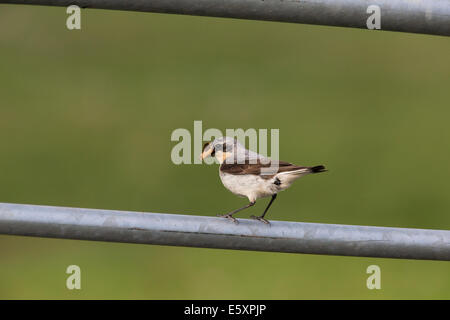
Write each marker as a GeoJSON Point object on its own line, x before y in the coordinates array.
{"type": "Point", "coordinates": [223, 147]}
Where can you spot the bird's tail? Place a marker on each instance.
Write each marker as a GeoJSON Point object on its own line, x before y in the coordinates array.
{"type": "Point", "coordinates": [317, 169]}
{"type": "Point", "coordinates": [301, 171]}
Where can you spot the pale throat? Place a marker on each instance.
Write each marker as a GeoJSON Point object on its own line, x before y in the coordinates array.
{"type": "Point", "coordinates": [222, 156]}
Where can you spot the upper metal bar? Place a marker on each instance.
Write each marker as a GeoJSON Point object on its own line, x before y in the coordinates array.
{"type": "Point", "coordinates": [416, 16]}
{"type": "Point", "coordinates": [212, 232]}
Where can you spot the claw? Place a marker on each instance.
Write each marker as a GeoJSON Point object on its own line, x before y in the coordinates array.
{"type": "Point", "coordinates": [228, 216]}
{"type": "Point", "coordinates": [260, 219]}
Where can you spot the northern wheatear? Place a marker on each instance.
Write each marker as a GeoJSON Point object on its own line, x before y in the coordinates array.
{"type": "Point", "coordinates": [248, 174]}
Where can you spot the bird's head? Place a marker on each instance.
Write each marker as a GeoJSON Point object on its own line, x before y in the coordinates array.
{"type": "Point", "coordinates": [222, 148]}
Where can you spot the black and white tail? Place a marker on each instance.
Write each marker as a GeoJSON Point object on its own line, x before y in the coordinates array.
{"type": "Point", "coordinates": [317, 169]}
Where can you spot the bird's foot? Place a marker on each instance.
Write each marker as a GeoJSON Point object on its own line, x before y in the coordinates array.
{"type": "Point", "coordinates": [228, 216]}
{"type": "Point", "coordinates": [260, 219]}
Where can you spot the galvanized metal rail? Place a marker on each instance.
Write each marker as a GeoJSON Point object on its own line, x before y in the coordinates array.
{"type": "Point", "coordinates": [212, 232]}
{"type": "Point", "coordinates": [417, 16]}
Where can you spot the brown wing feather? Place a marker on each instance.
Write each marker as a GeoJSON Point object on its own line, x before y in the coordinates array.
{"type": "Point", "coordinates": [255, 168]}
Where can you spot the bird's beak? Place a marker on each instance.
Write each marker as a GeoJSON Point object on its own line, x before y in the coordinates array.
{"type": "Point", "coordinates": [206, 153]}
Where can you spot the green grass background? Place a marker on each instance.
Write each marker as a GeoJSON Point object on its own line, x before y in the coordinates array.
{"type": "Point", "coordinates": [86, 118]}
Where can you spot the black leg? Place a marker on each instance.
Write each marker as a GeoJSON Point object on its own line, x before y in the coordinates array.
{"type": "Point", "coordinates": [268, 206]}
{"type": "Point", "coordinates": [261, 218]}
{"type": "Point", "coordinates": [229, 215]}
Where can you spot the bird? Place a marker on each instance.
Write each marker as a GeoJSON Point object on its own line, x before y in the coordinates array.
{"type": "Point", "coordinates": [248, 174]}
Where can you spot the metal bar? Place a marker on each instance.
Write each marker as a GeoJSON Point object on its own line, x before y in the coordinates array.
{"type": "Point", "coordinates": [416, 16]}
{"type": "Point", "coordinates": [212, 232]}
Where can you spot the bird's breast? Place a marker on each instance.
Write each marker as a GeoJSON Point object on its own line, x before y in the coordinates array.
{"type": "Point", "coordinates": [247, 185]}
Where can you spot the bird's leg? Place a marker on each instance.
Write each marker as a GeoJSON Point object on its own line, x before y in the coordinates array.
{"type": "Point", "coordinates": [229, 215]}
{"type": "Point", "coordinates": [261, 218]}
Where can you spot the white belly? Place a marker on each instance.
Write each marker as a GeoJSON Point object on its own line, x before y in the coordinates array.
{"type": "Point", "coordinates": [251, 186]}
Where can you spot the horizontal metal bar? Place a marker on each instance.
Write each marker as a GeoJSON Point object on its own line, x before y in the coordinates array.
{"type": "Point", "coordinates": [212, 232]}
{"type": "Point", "coordinates": [416, 16]}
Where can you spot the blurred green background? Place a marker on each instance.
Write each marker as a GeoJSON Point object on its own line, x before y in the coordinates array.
{"type": "Point", "coordinates": [86, 118]}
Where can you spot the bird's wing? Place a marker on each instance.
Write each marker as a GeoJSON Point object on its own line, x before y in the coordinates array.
{"type": "Point", "coordinates": [249, 167]}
